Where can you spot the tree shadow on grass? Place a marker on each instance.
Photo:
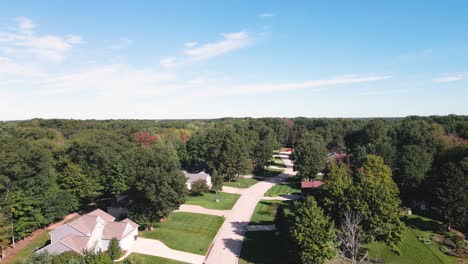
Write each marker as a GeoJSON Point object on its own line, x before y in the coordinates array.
{"type": "Point", "coordinates": [421, 224]}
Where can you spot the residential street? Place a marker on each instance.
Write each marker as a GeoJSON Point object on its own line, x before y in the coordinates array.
{"type": "Point", "coordinates": [228, 242]}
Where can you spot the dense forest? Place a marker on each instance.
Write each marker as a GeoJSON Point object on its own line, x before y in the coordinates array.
{"type": "Point", "coordinates": [49, 168]}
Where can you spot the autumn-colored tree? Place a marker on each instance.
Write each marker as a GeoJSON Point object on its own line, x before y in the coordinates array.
{"type": "Point", "coordinates": [145, 138]}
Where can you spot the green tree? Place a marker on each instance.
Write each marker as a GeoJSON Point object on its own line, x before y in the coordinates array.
{"type": "Point", "coordinates": [309, 155]}
{"type": "Point", "coordinates": [451, 193]}
{"type": "Point", "coordinates": [262, 151]}
{"type": "Point", "coordinates": [227, 153]}
{"type": "Point", "coordinates": [114, 250]}
{"type": "Point", "coordinates": [311, 232]}
{"type": "Point", "coordinates": [158, 184]}
{"type": "Point", "coordinates": [334, 196]}
{"type": "Point", "coordinates": [413, 164]}
{"type": "Point", "coordinates": [375, 197]}
{"type": "Point", "coordinates": [133, 259]}
{"type": "Point", "coordinates": [196, 150]}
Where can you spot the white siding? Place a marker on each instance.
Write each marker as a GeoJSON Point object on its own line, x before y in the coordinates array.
{"type": "Point", "coordinates": [127, 241]}
{"type": "Point", "coordinates": [96, 236]}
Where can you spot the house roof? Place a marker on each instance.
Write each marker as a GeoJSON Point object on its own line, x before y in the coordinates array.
{"type": "Point", "coordinates": [132, 224]}
{"type": "Point", "coordinates": [193, 177]}
{"type": "Point", "coordinates": [77, 243]}
{"type": "Point", "coordinates": [85, 224]}
{"type": "Point", "coordinates": [103, 215]}
{"type": "Point", "coordinates": [114, 230]}
{"type": "Point", "coordinates": [311, 184]}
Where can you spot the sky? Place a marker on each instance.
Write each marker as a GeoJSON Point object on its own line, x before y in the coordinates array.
{"type": "Point", "coordinates": [209, 59]}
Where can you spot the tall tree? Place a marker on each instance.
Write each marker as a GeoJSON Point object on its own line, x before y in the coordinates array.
{"type": "Point", "coordinates": [264, 148]}
{"type": "Point", "coordinates": [452, 194]}
{"type": "Point", "coordinates": [413, 164]}
{"type": "Point", "coordinates": [309, 155]}
{"type": "Point", "coordinates": [375, 197]}
{"type": "Point", "coordinates": [334, 196]}
{"type": "Point", "coordinates": [311, 232]}
{"type": "Point", "coordinates": [227, 153]}
{"type": "Point", "coordinates": [158, 184]}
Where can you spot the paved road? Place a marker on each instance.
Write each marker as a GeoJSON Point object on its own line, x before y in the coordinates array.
{"type": "Point", "coordinates": [228, 242]}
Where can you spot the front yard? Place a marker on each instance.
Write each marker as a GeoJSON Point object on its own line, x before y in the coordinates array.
{"type": "Point", "coordinates": [261, 247]}
{"type": "Point", "coordinates": [188, 232]}
{"type": "Point", "coordinates": [265, 212]}
{"type": "Point", "coordinates": [283, 189]}
{"type": "Point", "coordinates": [37, 242]}
{"type": "Point", "coordinates": [242, 182]}
{"type": "Point", "coordinates": [217, 201]}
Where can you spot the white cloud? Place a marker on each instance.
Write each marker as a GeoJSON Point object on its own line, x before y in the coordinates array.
{"type": "Point", "coordinates": [115, 80]}
{"type": "Point", "coordinates": [275, 87]}
{"type": "Point", "coordinates": [169, 62]}
{"type": "Point", "coordinates": [24, 41]}
{"type": "Point", "coordinates": [451, 78]}
{"type": "Point", "coordinates": [190, 44]}
{"type": "Point", "coordinates": [122, 44]}
{"type": "Point", "coordinates": [266, 15]}
{"type": "Point", "coordinates": [230, 42]}
{"type": "Point", "coordinates": [9, 67]}
{"type": "Point", "coordinates": [25, 24]}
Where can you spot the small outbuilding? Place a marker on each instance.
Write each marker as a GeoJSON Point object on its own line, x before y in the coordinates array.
{"type": "Point", "coordinates": [310, 187]}
{"type": "Point", "coordinates": [193, 177]}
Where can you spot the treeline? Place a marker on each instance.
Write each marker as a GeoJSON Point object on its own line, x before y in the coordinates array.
{"type": "Point", "coordinates": [49, 168]}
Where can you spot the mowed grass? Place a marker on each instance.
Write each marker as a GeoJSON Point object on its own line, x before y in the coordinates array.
{"type": "Point", "coordinates": [277, 161]}
{"type": "Point", "coordinates": [269, 172]}
{"type": "Point", "coordinates": [39, 242]}
{"type": "Point", "coordinates": [242, 182]}
{"type": "Point", "coordinates": [154, 260]}
{"type": "Point", "coordinates": [188, 232]}
{"type": "Point", "coordinates": [283, 189]}
{"type": "Point", "coordinates": [413, 250]}
{"type": "Point", "coordinates": [265, 212]}
{"type": "Point", "coordinates": [211, 200]}
{"type": "Point", "coordinates": [261, 247]}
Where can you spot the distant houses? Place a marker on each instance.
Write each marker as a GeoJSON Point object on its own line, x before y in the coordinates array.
{"type": "Point", "coordinates": [194, 177]}
{"type": "Point", "coordinates": [91, 232]}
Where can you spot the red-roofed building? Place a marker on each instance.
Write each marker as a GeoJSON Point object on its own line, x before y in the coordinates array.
{"type": "Point", "coordinates": [310, 187]}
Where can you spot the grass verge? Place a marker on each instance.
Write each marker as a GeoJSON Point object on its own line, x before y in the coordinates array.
{"type": "Point", "coordinates": [242, 183]}
{"type": "Point", "coordinates": [265, 212]}
{"type": "Point", "coordinates": [283, 189]}
{"type": "Point", "coordinates": [154, 260]}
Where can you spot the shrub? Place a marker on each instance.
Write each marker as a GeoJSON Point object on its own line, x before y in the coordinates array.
{"type": "Point", "coordinates": [199, 187]}
{"type": "Point", "coordinates": [133, 259]}
{"type": "Point", "coordinates": [114, 249]}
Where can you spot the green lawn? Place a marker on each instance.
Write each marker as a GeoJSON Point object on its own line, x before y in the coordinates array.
{"type": "Point", "coordinates": [265, 212]}
{"type": "Point", "coordinates": [277, 161]}
{"type": "Point", "coordinates": [217, 201]}
{"type": "Point", "coordinates": [242, 183]}
{"type": "Point", "coordinates": [154, 260]}
{"type": "Point", "coordinates": [285, 188]}
{"type": "Point", "coordinates": [261, 247]}
{"type": "Point", "coordinates": [269, 172]}
{"type": "Point", "coordinates": [413, 250]}
{"type": "Point", "coordinates": [27, 251]}
{"type": "Point", "coordinates": [187, 231]}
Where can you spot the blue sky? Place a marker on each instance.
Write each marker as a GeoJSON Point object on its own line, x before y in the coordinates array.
{"type": "Point", "coordinates": [208, 59]}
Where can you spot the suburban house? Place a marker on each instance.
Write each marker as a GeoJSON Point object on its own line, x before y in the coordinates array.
{"type": "Point", "coordinates": [193, 177]}
{"type": "Point", "coordinates": [91, 232]}
{"type": "Point", "coordinates": [310, 187]}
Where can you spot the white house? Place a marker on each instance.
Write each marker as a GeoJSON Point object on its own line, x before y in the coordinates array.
{"type": "Point", "coordinates": [193, 177]}
{"type": "Point", "coordinates": [91, 232]}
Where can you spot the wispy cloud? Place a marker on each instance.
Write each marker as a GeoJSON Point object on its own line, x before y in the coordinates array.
{"type": "Point", "coordinates": [121, 44]}
{"type": "Point", "coordinates": [168, 62]}
{"type": "Point", "coordinates": [275, 87]}
{"type": "Point", "coordinates": [24, 41]}
{"type": "Point", "coordinates": [230, 42]}
{"type": "Point", "coordinates": [451, 78]}
{"type": "Point", "coordinates": [266, 15]}
{"type": "Point", "coordinates": [115, 80]}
